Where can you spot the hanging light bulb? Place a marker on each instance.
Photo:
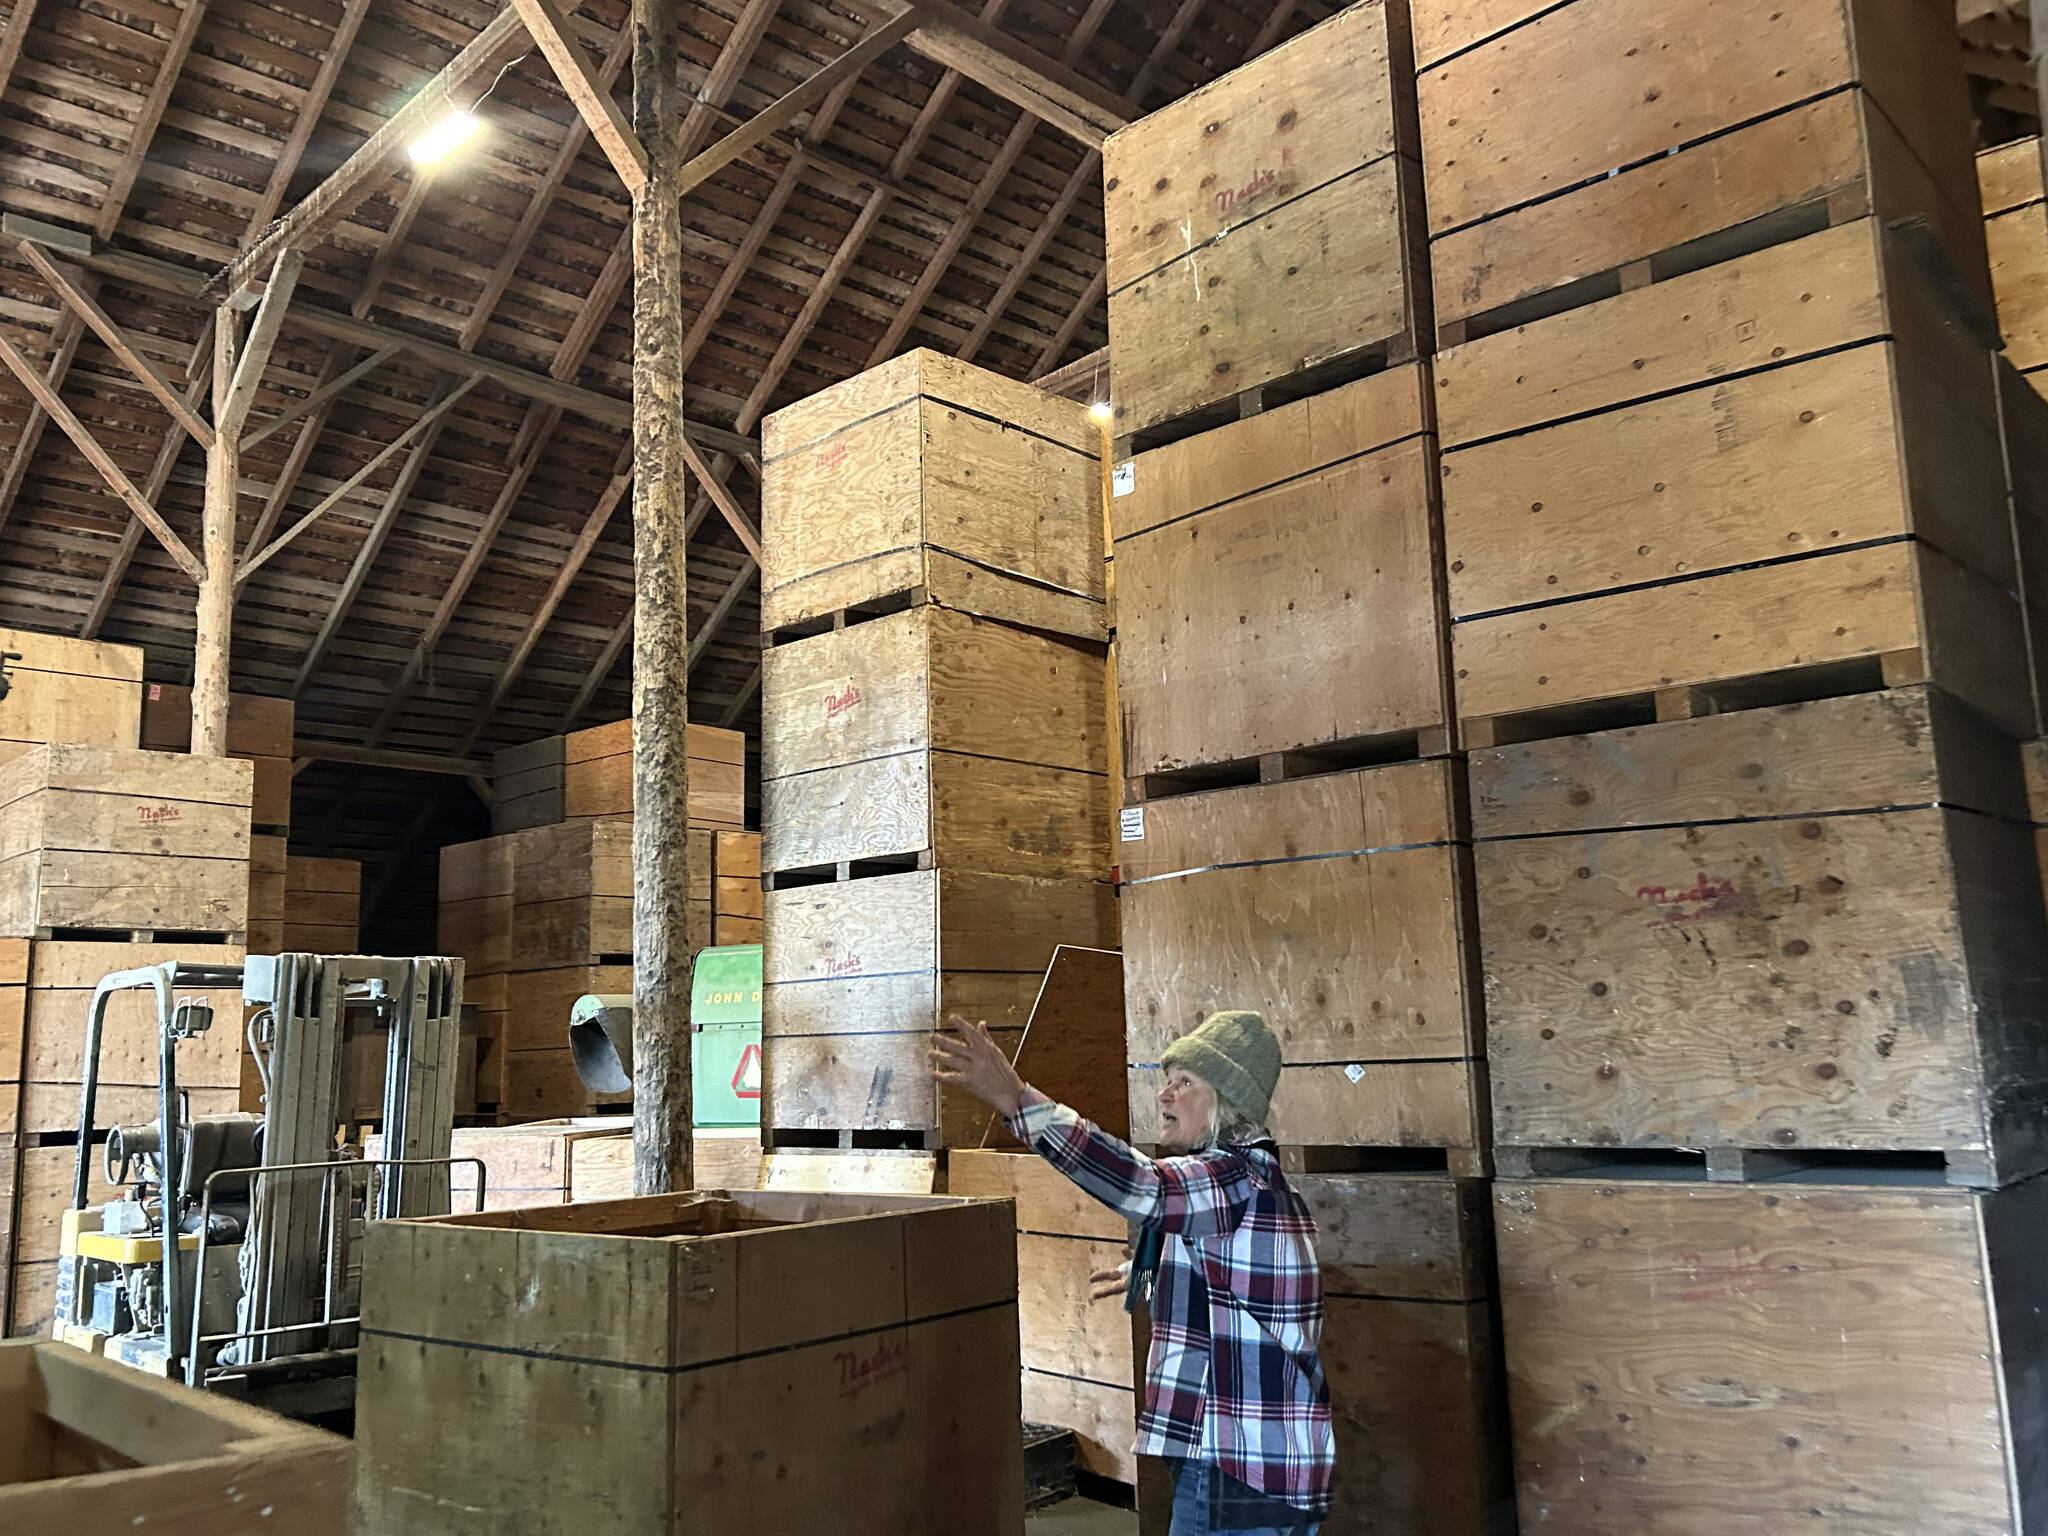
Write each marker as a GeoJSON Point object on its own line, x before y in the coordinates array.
{"type": "Point", "coordinates": [447, 135]}
{"type": "Point", "coordinates": [1101, 410]}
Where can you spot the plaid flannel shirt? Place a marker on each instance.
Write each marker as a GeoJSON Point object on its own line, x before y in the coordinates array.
{"type": "Point", "coordinates": [1237, 1310]}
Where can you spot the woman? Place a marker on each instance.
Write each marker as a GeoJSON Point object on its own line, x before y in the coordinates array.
{"type": "Point", "coordinates": [1234, 1394]}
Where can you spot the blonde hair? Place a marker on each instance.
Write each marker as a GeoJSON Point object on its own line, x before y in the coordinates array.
{"type": "Point", "coordinates": [1226, 1126]}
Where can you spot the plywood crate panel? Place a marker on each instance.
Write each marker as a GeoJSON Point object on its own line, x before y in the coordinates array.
{"type": "Point", "coordinates": [541, 1084]}
{"type": "Point", "coordinates": [13, 1039]}
{"type": "Point", "coordinates": [259, 731]}
{"type": "Point", "coordinates": [719, 1159]}
{"type": "Point", "coordinates": [1268, 223]}
{"type": "Point", "coordinates": [857, 974]}
{"type": "Point", "coordinates": [929, 477]}
{"type": "Point", "coordinates": [1798, 466]}
{"type": "Point", "coordinates": [537, 1003]}
{"type": "Point", "coordinates": [80, 692]}
{"type": "Point", "coordinates": [1563, 143]}
{"type": "Point", "coordinates": [2016, 231]}
{"type": "Point", "coordinates": [1810, 928]}
{"type": "Point", "coordinates": [267, 858]}
{"type": "Point", "coordinates": [527, 785]}
{"type": "Point", "coordinates": [935, 732]}
{"type": "Point", "coordinates": [572, 893]}
{"type": "Point", "coordinates": [1340, 907]}
{"type": "Point", "coordinates": [43, 1185]}
{"type": "Point", "coordinates": [324, 899]}
{"type": "Point", "coordinates": [1076, 1353]}
{"type": "Point", "coordinates": [61, 976]}
{"type": "Point", "coordinates": [2023, 426]}
{"type": "Point", "coordinates": [1721, 1359]}
{"type": "Point", "coordinates": [597, 774]}
{"type": "Point", "coordinates": [475, 915]}
{"type": "Point", "coordinates": [1280, 581]}
{"type": "Point", "coordinates": [865, 1346]}
{"type": "Point", "coordinates": [97, 838]}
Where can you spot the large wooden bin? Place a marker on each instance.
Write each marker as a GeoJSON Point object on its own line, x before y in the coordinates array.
{"type": "Point", "coordinates": [1267, 229]}
{"type": "Point", "coordinates": [1779, 463]}
{"type": "Point", "coordinates": [927, 477]}
{"type": "Point", "coordinates": [87, 1446]}
{"type": "Point", "coordinates": [1339, 906]}
{"type": "Point", "coordinates": [693, 1365]}
{"type": "Point", "coordinates": [1723, 1360]}
{"type": "Point", "coordinates": [1565, 144]}
{"type": "Point", "coordinates": [81, 692]}
{"type": "Point", "coordinates": [1809, 929]}
{"type": "Point", "coordinates": [930, 731]}
{"type": "Point", "coordinates": [1280, 585]}
{"type": "Point", "coordinates": [2016, 232]}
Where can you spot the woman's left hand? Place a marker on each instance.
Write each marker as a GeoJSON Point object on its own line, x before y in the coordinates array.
{"type": "Point", "coordinates": [964, 1056]}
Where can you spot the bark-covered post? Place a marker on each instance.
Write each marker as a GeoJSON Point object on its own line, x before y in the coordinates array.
{"type": "Point", "coordinates": [661, 634]}
{"type": "Point", "coordinates": [217, 553]}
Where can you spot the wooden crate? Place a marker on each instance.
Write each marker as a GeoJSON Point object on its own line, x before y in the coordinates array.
{"type": "Point", "coordinates": [2023, 428]}
{"type": "Point", "coordinates": [76, 692]}
{"type": "Point", "coordinates": [1077, 1358]}
{"type": "Point", "coordinates": [929, 478]}
{"type": "Point", "coordinates": [555, 1162]}
{"type": "Point", "coordinates": [543, 1084]}
{"type": "Point", "coordinates": [267, 857]}
{"type": "Point", "coordinates": [43, 1185]}
{"type": "Point", "coordinates": [537, 1003]}
{"type": "Point", "coordinates": [1340, 907]}
{"type": "Point", "coordinates": [1800, 468]}
{"type": "Point", "coordinates": [597, 774]}
{"type": "Point", "coordinates": [1281, 582]}
{"type": "Point", "coordinates": [935, 733]}
{"type": "Point", "coordinates": [475, 916]}
{"type": "Point", "coordinates": [1720, 1359]}
{"type": "Point", "coordinates": [720, 1159]}
{"type": "Point", "coordinates": [1267, 229]}
{"type": "Point", "coordinates": [61, 976]}
{"type": "Point", "coordinates": [736, 875]}
{"type": "Point", "coordinates": [97, 1446]}
{"type": "Point", "coordinates": [863, 1348]}
{"type": "Point", "coordinates": [2016, 232]}
{"type": "Point", "coordinates": [526, 785]}
{"type": "Point", "coordinates": [324, 902]}
{"type": "Point", "coordinates": [1572, 151]}
{"type": "Point", "coordinates": [858, 973]}
{"type": "Point", "coordinates": [1809, 929]}
{"type": "Point", "coordinates": [13, 1043]}
{"type": "Point", "coordinates": [259, 731]}
{"type": "Point", "coordinates": [572, 901]}
{"type": "Point", "coordinates": [115, 840]}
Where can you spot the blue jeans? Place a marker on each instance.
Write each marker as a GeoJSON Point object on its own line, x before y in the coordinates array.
{"type": "Point", "coordinates": [1191, 1508]}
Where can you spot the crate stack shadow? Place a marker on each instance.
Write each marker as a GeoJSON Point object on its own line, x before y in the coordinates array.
{"type": "Point", "coordinates": [1295, 835]}
{"type": "Point", "coordinates": [934, 762]}
{"type": "Point", "coordinates": [111, 857]}
{"type": "Point", "coordinates": [1745, 564]}
{"type": "Point", "coordinates": [541, 912]}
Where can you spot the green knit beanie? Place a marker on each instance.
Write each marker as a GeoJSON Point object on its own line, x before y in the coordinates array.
{"type": "Point", "coordinates": [1236, 1055]}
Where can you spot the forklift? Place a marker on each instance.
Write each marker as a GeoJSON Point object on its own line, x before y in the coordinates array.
{"type": "Point", "coordinates": [231, 1261]}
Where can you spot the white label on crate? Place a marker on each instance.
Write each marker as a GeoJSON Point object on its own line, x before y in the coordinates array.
{"type": "Point", "coordinates": [1355, 1072]}
{"type": "Point", "coordinates": [1124, 478]}
{"type": "Point", "coordinates": [1130, 824]}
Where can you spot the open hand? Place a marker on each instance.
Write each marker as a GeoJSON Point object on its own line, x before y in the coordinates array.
{"type": "Point", "coordinates": [1107, 1283]}
{"type": "Point", "coordinates": [964, 1056]}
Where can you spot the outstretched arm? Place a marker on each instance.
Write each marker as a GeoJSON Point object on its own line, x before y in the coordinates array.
{"type": "Point", "coordinates": [1201, 1196]}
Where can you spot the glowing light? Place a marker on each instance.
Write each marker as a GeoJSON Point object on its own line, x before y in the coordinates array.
{"type": "Point", "coordinates": [1101, 410]}
{"type": "Point", "coordinates": [449, 134]}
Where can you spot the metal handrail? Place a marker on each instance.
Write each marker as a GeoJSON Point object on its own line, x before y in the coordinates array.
{"type": "Point", "coordinates": [330, 1224]}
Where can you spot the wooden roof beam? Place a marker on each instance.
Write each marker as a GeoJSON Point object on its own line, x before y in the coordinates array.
{"type": "Point", "coordinates": [320, 395]}
{"type": "Point", "coordinates": [69, 333]}
{"type": "Point", "coordinates": [727, 601]}
{"type": "Point", "coordinates": [501, 40]}
{"type": "Point", "coordinates": [587, 91]}
{"type": "Point", "coordinates": [152, 113]}
{"type": "Point", "coordinates": [18, 22]}
{"type": "Point", "coordinates": [787, 108]}
{"type": "Point", "coordinates": [98, 457]}
{"type": "Point", "coordinates": [1013, 70]}
{"type": "Point", "coordinates": [565, 576]}
{"type": "Point", "coordinates": [74, 298]}
{"type": "Point", "coordinates": [743, 698]}
{"type": "Point", "coordinates": [311, 109]}
{"type": "Point", "coordinates": [1056, 348]}
{"type": "Point", "coordinates": [232, 411]}
{"type": "Point", "coordinates": [384, 757]}
{"type": "Point", "coordinates": [429, 429]}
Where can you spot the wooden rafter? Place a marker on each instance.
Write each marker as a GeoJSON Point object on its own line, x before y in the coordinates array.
{"type": "Point", "coordinates": [110, 471]}
{"type": "Point", "coordinates": [537, 206]}
{"type": "Point", "coordinates": [310, 112]}
{"type": "Point", "coordinates": [714, 621]}
{"type": "Point", "coordinates": [321, 394]}
{"type": "Point", "coordinates": [787, 108]}
{"type": "Point", "coordinates": [69, 333]}
{"type": "Point", "coordinates": [503, 36]}
{"type": "Point", "coordinates": [821, 294]}
{"type": "Point", "coordinates": [380, 530]}
{"type": "Point", "coordinates": [587, 91]}
{"type": "Point", "coordinates": [565, 576]}
{"type": "Point", "coordinates": [600, 669]}
{"type": "Point", "coordinates": [1013, 70]}
{"type": "Point", "coordinates": [743, 698]}
{"type": "Point", "coordinates": [152, 113]}
{"type": "Point", "coordinates": [18, 22]}
{"type": "Point", "coordinates": [1057, 347]}
{"type": "Point", "coordinates": [416, 193]}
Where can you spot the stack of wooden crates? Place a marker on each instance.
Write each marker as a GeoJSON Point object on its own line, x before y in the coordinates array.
{"type": "Point", "coordinates": [934, 764]}
{"type": "Point", "coordinates": [1582, 569]}
{"type": "Point", "coordinates": [544, 914]}
{"type": "Point", "coordinates": [1295, 836]}
{"type": "Point", "coordinates": [111, 858]}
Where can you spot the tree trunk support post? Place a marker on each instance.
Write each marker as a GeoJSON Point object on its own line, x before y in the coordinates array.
{"type": "Point", "coordinates": [661, 874]}
{"type": "Point", "coordinates": [210, 638]}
